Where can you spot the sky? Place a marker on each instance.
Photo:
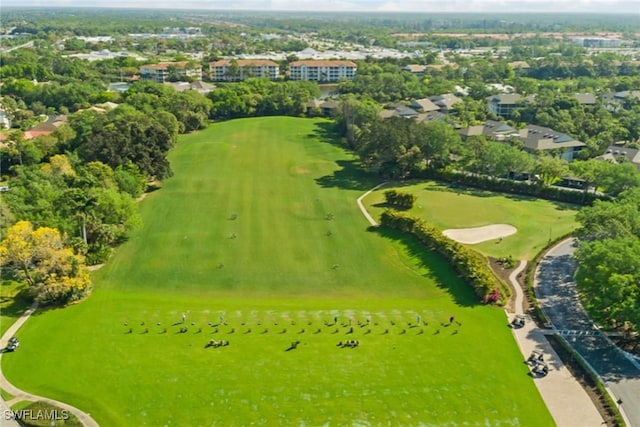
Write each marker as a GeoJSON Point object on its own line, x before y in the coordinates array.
{"type": "Point", "coordinates": [540, 6]}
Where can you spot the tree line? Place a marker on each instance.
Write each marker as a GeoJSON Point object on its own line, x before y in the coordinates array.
{"type": "Point", "coordinates": [400, 148]}
{"type": "Point", "coordinates": [608, 258]}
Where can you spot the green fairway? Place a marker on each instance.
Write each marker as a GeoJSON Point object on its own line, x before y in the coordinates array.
{"type": "Point", "coordinates": [538, 221]}
{"type": "Point", "coordinates": [258, 241]}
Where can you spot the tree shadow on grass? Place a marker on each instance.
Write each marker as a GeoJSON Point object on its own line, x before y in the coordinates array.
{"type": "Point", "coordinates": [350, 176]}
{"type": "Point", "coordinates": [15, 306]}
{"type": "Point", "coordinates": [439, 271]}
{"type": "Point", "coordinates": [327, 132]}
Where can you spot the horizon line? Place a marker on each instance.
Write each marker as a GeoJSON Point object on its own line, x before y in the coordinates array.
{"type": "Point", "coordinates": [372, 11]}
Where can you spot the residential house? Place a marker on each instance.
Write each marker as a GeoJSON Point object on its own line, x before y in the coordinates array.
{"type": "Point", "coordinates": [445, 102]}
{"type": "Point", "coordinates": [491, 129]}
{"type": "Point", "coordinates": [327, 108]}
{"type": "Point", "coordinates": [313, 107]}
{"type": "Point", "coordinates": [42, 129]}
{"type": "Point", "coordinates": [161, 72]}
{"type": "Point", "coordinates": [432, 116]}
{"type": "Point", "coordinates": [424, 105]}
{"type": "Point", "coordinates": [242, 69]}
{"type": "Point", "coordinates": [538, 138]}
{"type": "Point", "coordinates": [586, 98]}
{"type": "Point", "coordinates": [50, 125]}
{"type": "Point", "coordinates": [415, 69]}
{"type": "Point", "coordinates": [618, 153]}
{"type": "Point", "coordinates": [399, 110]}
{"type": "Point", "coordinates": [322, 71]}
{"type": "Point", "coordinates": [503, 104]}
{"type": "Point", "coordinates": [615, 101]}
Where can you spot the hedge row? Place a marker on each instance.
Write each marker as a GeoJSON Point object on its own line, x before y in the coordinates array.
{"type": "Point", "coordinates": [401, 200]}
{"type": "Point", "coordinates": [470, 266]}
{"type": "Point", "coordinates": [514, 187]}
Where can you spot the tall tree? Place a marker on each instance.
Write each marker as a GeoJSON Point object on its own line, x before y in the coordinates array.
{"type": "Point", "coordinates": [551, 169]}
{"type": "Point", "coordinates": [54, 273]}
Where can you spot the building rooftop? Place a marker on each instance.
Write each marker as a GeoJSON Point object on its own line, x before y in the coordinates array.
{"type": "Point", "coordinates": [166, 65]}
{"type": "Point", "coordinates": [321, 63]}
{"type": "Point", "coordinates": [244, 63]}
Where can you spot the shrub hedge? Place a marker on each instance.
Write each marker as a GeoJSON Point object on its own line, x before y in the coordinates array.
{"type": "Point", "coordinates": [484, 182]}
{"type": "Point", "coordinates": [400, 200]}
{"type": "Point", "coordinates": [470, 265]}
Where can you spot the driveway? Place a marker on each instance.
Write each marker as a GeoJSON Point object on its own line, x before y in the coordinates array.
{"type": "Point", "coordinates": [557, 295]}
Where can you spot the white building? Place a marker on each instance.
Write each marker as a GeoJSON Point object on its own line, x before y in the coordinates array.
{"type": "Point", "coordinates": [322, 71]}
{"type": "Point", "coordinates": [161, 72]}
{"type": "Point", "coordinates": [242, 69]}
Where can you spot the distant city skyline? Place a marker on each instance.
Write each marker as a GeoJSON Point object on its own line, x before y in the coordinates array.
{"type": "Point", "coordinates": [484, 6]}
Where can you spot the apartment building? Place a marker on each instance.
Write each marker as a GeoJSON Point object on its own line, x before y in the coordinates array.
{"type": "Point", "coordinates": [161, 72]}
{"type": "Point", "coordinates": [242, 69]}
{"type": "Point", "coordinates": [322, 71]}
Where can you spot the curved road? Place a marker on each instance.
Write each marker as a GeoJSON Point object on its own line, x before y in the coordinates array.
{"type": "Point", "coordinates": [558, 298]}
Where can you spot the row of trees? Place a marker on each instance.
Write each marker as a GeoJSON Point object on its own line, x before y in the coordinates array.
{"type": "Point", "coordinates": [79, 184]}
{"type": "Point", "coordinates": [608, 258]}
{"type": "Point", "coordinates": [91, 204]}
{"type": "Point", "coordinates": [261, 97]}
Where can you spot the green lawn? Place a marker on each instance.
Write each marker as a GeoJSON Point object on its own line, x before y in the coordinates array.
{"type": "Point", "coordinates": [259, 227]}
{"type": "Point", "coordinates": [12, 303]}
{"type": "Point", "coordinates": [445, 207]}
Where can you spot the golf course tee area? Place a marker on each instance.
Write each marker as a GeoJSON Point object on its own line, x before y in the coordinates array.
{"type": "Point", "coordinates": [255, 293]}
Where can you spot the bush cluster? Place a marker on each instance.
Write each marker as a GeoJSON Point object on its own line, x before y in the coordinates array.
{"type": "Point", "coordinates": [469, 265]}
{"type": "Point", "coordinates": [399, 200]}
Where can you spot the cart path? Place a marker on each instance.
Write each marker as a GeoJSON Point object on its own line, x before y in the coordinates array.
{"type": "Point", "coordinates": [568, 403]}
{"type": "Point", "coordinates": [19, 394]}
{"type": "Point", "coordinates": [518, 305]}
{"type": "Point", "coordinates": [363, 209]}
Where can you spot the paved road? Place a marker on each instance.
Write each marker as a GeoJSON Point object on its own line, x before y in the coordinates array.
{"type": "Point", "coordinates": [556, 293]}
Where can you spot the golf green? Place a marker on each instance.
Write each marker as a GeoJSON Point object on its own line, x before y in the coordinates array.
{"type": "Point", "coordinates": [257, 240]}
{"type": "Point", "coordinates": [537, 221]}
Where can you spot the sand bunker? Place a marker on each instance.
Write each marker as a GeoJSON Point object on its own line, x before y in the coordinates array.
{"type": "Point", "coordinates": [480, 234]}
